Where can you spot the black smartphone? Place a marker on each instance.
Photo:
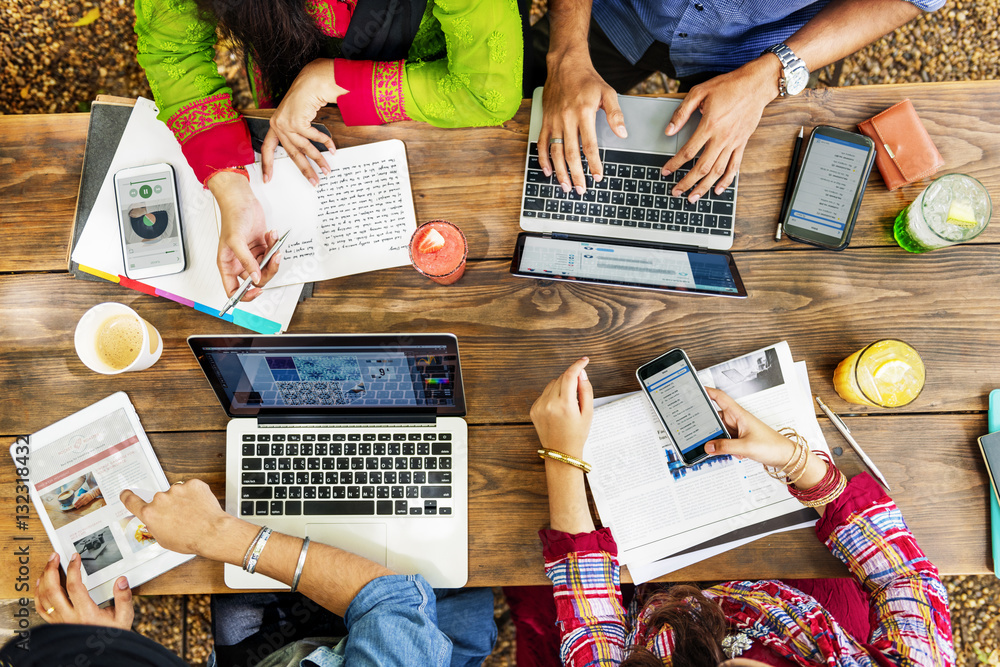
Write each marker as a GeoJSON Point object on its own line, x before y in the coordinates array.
{"type": "Point", "coordinates": [682, 404]}
{"type": "Point", "coordinates": [829, 188]}
{"type": "Point", "coordinates": [989, 445]}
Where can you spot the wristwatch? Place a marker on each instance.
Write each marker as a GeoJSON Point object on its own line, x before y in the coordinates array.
{"type": "Point", "coordinates": [794, 73]}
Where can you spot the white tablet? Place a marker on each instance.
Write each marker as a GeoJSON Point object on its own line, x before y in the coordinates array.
{"type": "Point", "coordinates": [76, 469]}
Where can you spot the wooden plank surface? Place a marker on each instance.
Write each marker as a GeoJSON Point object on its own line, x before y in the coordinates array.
{"type": "Point", "coordinates": [940, 486]}
{"type": "Point", "coordinates": [473, 176]}
{"type": "Point", "coordinates": [515, 334]}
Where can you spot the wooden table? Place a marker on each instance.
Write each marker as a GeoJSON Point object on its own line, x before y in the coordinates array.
{"type": "Point", "coordinates": [516, 334]}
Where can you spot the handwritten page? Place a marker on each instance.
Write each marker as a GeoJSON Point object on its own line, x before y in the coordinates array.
{"type": "Point", "coordinates": [146, 140]}
{"type": "Point", "coordinates": [360, 217]}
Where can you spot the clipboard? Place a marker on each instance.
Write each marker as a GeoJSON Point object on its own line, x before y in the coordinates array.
{"type": "Point", "coordinates": [993, 421]}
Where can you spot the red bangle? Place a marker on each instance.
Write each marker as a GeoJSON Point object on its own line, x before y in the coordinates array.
{"type": "Point", "coordinates": [827, 490]}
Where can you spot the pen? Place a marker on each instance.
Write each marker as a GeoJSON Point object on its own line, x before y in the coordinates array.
{"type": "Point", "coordinates": [846, 432]}
{"type": "Point", "coordinates": [245, 285]}
{"type": "Point", "coordinates": [789, 184]}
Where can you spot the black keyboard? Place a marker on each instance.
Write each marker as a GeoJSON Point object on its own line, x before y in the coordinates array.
{"type": "Point", "coordinates": [346, 474]}
{"type": "Point", "coordinates": [632, 193]}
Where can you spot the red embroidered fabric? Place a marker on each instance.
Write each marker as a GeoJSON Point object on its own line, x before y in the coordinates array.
{"type": "Point", "coordinates": [374, 91]}
{"type": "Point", "coordinates": [223, 147]}
{"type": "Point", "coordinates": [331, 16]}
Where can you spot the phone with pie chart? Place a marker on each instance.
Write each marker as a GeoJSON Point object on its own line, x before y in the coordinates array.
{"type": "Point", "coordinates": [149, 220]}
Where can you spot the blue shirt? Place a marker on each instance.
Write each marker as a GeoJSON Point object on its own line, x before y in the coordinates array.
{"type": "Point", "coordinates": [707, 35]}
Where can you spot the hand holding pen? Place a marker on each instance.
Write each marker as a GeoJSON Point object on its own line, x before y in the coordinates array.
{"type": "Point", "coordinates": [248, 281]}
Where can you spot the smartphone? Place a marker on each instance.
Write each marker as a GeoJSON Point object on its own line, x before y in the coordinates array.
{"type": "Point", "coordinates": [829, 188]}
{"type": "Point", "coordinates": [149, 221]}
{"type": "Point", "coordinates": [682, 404]}
{"type": "Point", "coordinates": [989, 445]}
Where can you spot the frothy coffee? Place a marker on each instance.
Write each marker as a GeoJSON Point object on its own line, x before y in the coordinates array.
{"type": "Point", "coordinates": [119, 341]}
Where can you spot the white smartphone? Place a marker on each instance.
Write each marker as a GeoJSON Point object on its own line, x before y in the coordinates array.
{"type": "Point", "coordinates": [149, 221]}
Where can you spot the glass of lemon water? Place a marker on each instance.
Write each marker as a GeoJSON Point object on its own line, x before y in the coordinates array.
{"type": "Point", "coordinates": [886, 374]}
{"type": "Point", "coordinates": [955, 208]}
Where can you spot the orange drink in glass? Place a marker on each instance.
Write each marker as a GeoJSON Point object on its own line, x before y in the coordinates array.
{"type": "Point", "coordinates": [886, 374]}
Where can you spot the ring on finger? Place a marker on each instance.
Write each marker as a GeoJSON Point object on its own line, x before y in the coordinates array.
{"type": "Point", "coordinates": [555, 140]}
{"type": "Point", "coordinates": [49, 610]}
{"type": "Point", "coordinates": [180, 482]}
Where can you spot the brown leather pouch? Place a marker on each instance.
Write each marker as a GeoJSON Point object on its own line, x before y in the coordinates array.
{"type": "Point", "coordinates": [904, 151]}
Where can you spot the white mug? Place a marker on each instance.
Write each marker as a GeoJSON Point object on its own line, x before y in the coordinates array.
{"type": "Point", "coordinates": [90, 325]}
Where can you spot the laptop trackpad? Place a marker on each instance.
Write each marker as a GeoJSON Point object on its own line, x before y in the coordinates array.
{"type": "Point", "coordinates": [364, 539]}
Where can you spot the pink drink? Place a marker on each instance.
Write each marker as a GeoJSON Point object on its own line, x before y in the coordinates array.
{"type": "Point", "coordinates": [438, 250]}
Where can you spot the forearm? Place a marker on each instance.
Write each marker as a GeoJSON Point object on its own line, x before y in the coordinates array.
{"type": "Point", "coordinates": [569, 511]}
{"type": "Point", "coordinates": [844, 26]}
{"type": "Point", "coordinates": [569, 25]}
{"type": "Point", "coordinates": [331, 577]}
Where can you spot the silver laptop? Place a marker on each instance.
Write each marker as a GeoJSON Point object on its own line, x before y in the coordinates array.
{"type": "Point", "coordinates": [356, 441]}
{"type": "Point", "coordinates": [633, 200]}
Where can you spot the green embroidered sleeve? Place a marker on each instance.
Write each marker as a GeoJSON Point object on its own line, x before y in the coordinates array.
{"type": "Point", "coordinates": [177, 50]}
{"type": "Point", "coordinates": [477, 80]}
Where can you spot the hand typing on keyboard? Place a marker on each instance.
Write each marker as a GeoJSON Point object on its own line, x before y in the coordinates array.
{"type": "Point", "coordinates": [731, 105]}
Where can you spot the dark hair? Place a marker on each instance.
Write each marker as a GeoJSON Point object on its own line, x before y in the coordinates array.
{"type": "Point", "coordinates": [278, 34]}
{"type": "Point", "coordinates": [698, 624]}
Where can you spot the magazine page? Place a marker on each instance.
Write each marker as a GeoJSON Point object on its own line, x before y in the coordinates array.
{"type": "Point", "coordinates": [656, 506]}
{"type": "Point", "coordinates": [78, 478]}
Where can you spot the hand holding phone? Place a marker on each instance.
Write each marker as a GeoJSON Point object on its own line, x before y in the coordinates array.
{"type": "Point", "coordinates": [682, 404]}
{"type": "Point", "coordinates": [829, 188]}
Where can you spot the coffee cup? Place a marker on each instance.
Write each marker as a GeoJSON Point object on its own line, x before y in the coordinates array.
{"type": "Point", "coordinates": [66, 499]}
{"type": "Point", "coordinates": [112, 338]}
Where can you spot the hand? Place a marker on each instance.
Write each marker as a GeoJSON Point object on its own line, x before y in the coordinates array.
{"type": "Point", "coordinates": [244, 239]}
{"type": "Point", "coordinates": [731, 105]}
{"type": "Point", "coordinates": [86, 498]}
{"type": "Point", "coordinates": [562, 414]}
{"type": "Point", "coordinates": [74, 604]}
{"type": "Point", "coordinates": [313, 88]}
{"type": "Point", "coordinates": [752, 439]}
{"type": "Point", "coordinates": [186, 518]}
{"type": "Point", "coordinates": [574, 91]}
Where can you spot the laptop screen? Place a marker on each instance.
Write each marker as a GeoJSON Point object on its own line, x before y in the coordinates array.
{"type": "Point", "coordinates": [331, 375]}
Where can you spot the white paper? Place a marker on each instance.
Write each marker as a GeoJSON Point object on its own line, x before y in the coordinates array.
{"type": "Point", "coordinates": [148, 141]}
{"type": "Point", "coordinates": [360, 217]}
{"type": "Point", "coordinates": [656, 507]}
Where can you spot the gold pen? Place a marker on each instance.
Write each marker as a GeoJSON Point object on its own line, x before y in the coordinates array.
{"type": "Point", "coordinates": [846, 432]}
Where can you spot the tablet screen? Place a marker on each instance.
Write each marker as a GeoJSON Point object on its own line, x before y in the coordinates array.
{"type": "Point", "coordinates": [600, 261]}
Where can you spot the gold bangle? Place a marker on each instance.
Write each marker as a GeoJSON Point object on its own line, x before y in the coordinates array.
{"type": "Point", "coordinates": [564, 458]}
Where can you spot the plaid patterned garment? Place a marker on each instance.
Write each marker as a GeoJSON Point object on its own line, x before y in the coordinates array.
{"type": "Point", "coordinates": [863, 528]}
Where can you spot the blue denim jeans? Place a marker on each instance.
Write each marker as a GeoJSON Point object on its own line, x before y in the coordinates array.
{"type": "Point", "coordinates": [394, 620]}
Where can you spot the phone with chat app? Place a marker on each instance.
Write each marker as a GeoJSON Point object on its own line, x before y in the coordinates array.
{"type": "Point", "coordinates": [829, 188]}
{"type": "Point", "coordinates": [149, 221]}
{"type": "Point", "coordinates": [679, 399]}
{"type": "Point", "coordinates": [989, 445]}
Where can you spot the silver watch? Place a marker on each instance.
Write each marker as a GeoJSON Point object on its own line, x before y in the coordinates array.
{"type": "Point", "coordinates": [794, 73]}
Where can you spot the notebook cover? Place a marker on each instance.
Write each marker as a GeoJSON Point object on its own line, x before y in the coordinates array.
{"type": "Point", "coordinates": [108, 118]}
{"type": "Point", "coordinates": [994, 425]}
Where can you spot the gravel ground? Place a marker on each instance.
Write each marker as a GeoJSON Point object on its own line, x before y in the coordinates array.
{"type": "Point", "coordinates": [50, 65]}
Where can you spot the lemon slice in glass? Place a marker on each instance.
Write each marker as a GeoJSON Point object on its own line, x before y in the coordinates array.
{"type": "Point", "coordinates": [961, 214]}
{"type": "Point", "coordinates": [893, 381]}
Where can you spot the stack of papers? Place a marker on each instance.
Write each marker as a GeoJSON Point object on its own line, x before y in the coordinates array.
{"type": "Point", "coordinates": [359, 219]}
{"type": "Point", "coordinates": [665, 516]}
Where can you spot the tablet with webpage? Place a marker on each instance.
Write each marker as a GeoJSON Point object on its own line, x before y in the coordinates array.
{"type": "Point", "coordinates": [76, 469]}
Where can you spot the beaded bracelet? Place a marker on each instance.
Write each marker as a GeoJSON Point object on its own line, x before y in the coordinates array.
{"type": "Point", "coordinates": [258, 547]}
{"type": "Point", "coordinates": [827, 490]}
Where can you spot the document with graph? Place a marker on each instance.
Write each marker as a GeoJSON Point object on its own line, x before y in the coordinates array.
{"type": "Point", "coordinates": [665, 515]}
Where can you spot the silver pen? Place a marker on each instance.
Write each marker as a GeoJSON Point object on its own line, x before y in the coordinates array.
{"type": "Point", "coordinates": [846, 432]}
{"type": "Point", "coordinates": [246, 284]}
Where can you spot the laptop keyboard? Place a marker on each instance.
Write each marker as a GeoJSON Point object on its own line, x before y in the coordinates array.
{"type": "Point", "coordinates": [359, 473]}
{"type": "Point", "coordinates": [631, 194]}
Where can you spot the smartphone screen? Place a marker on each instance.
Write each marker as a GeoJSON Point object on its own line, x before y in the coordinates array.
{"type": "Point", "coordinates": [684, 408]}
{"type": "Point", "coordinates": [150, 222]}
{"type": "Point", "coordinates": [990, 446]}
{"type": "Point", "coordinates": [829, 188]}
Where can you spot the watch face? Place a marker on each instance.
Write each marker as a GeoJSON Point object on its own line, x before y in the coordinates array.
{"type": "Point", "coordinates": [796, 80]}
